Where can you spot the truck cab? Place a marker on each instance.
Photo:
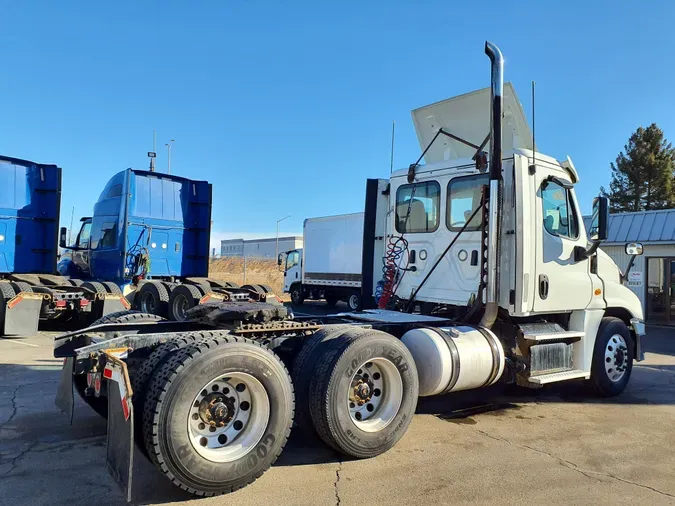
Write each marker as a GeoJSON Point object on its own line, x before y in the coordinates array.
{"type": "Point", "coordinates": [430, 225]}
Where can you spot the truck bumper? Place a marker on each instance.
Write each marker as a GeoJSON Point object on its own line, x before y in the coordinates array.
{"type": "Point", "coordinates": [638, 328]}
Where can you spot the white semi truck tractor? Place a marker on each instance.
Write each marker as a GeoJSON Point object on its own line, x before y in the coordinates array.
{"type": "Point", "coordinates": [483, 272]}
{"type": "Point", "coordinates": [328, 266]}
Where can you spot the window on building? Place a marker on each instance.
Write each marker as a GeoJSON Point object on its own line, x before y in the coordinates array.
{"type": "Point", "coordinates": [417, 207]}
{"type": "Point", "coordinates": [464, 197]}
{"type": "Point", "coordinates": [560, 217]}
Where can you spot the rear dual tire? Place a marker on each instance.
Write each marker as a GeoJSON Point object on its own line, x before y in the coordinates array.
{"type": "Point", "coordinates": [358, 387]}
{"type": "Point", "coordinates": [255, 425]}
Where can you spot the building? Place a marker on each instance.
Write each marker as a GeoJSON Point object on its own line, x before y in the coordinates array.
{"type": "Point", "coordinates": [652, 276]}
{"type": "Point", "coordinates": [258, 248]}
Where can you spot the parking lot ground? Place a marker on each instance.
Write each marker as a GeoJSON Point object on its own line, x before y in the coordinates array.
{"type": "Point", "coordinates": [557, 445]}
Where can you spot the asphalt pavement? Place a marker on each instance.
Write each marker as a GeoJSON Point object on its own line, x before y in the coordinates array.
{"type": "Point", "coordinates": [557, 445]}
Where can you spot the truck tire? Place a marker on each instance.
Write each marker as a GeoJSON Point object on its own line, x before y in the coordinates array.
{"type": "Point", "coordinates": [141, 379]}
{"type": "Point", "coordinates": [129, 315]}
{"type": "Point", "coordinates": [297, 297]}
{"type": "Point", "coordinates": [256, 417]}
{"type": "Point", "coordinates": [94, 286]}
{"type": "Point", "coordinates": [153, 298]}
{"type": "Point", "coordinates": [303, 369]}
{"type": "Point", "coordinates": [111, 288]}
{"type": "Point", "coordinates": [612, 357]}
{"type": "Point", "coordinates": [254, 288]}
{"type": "Point", "coordinates": [354, 301]}
{"type": "Point", "coordinates": [266, 288]}
{"type": "Point", "coordinates": [364, 393]}
{"type": "Point", "coordinates": [182, 298]}
{"type": "Point", "coordinates": [331, 299]}
{"type": "Point", "coordinates": [21, 286]}
{"type": "Point", "coordinates": [231, 284]}
{"type": "Point", "coordinates": [75, 282]}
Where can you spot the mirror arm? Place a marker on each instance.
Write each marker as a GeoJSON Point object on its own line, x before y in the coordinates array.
{"type": "Point", "coordinates": [583, 253]}
{"type": "Point", "coordinates": [628, 268]}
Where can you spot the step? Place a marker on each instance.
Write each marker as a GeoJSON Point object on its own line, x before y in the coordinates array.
{"type": "Point", "coordinates": [550, 336]}
{"type": "Point", "coordinates": [543, 379]}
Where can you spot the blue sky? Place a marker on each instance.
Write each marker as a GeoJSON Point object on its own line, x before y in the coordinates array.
{"type": "Point", "coordinates": [286, 107]}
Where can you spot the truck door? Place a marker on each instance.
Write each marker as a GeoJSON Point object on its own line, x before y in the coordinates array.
{"type": "Point", "coordinates": [81, 254]}
{"type": "Point", "coordinates": [292, 270]}
{"type": "Point", "coordinates": [562, 282]}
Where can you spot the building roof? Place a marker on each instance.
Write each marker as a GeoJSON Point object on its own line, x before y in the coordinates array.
{"type": "Point", "coordinates": [644, 226]}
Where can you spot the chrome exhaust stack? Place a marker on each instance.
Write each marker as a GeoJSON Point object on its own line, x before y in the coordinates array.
{"type": "Point", "coordinates": [496, 184]}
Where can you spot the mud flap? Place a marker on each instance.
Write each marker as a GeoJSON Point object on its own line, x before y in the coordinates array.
{"type": "Point", "coordinates": [64, 395]}
{"type": "Point", "coordinates": [120, 437]}
{"type": "Point", "coordinates": [22, 315]}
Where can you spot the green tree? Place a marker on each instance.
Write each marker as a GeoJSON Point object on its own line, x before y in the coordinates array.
{"type": "Point", "coordinates": [643, 176]}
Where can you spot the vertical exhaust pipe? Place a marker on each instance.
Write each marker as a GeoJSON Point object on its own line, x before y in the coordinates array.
{"type": "Point", "coordinates": [496, 184]}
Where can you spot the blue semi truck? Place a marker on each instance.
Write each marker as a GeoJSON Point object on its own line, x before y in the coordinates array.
{"type": "Point", "coordinates": [31, 289]}
{"type": "Point", "coordinates": [149, 236]}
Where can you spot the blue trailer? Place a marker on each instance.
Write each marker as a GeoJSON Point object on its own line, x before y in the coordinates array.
{"type": "Point", "coordinates": [149, 235]}
{"type": "Point", "coordinates": [30, 287]}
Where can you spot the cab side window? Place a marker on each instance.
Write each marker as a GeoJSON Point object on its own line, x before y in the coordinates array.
{"type": "Point", "coordinates": [464, 197]}
{"type": "Point", "coordinates": [292, 259]}
{"type": "Point", "coordinates": [417, 207]}
{"type": "Point", "coordinates": [560, 217]}
{"type": "Point", "coordinates": [84, 236]}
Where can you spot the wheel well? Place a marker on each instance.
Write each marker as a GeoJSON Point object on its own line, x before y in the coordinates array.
{"type": "Point", "coordinates": [623, 315]}
{"type": "Point", "coordinates": [620, 313]}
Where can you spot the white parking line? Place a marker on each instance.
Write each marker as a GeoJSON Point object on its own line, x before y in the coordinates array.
{"type": "Point", "coordinates": [16, 341]}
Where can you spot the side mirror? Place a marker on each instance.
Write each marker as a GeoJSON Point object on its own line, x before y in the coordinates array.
{"type": "Point", "coordinates": [599, 229]}
{"type": "Point", "coordinates": [62, 237]}
{"type": "Point", "coordinates": [634, 248]}
{"type": "Point", "coordinates": [280, 259]}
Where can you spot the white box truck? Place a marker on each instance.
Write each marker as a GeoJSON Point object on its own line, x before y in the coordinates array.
{"type": "Point", "coordinates": [329, 265]}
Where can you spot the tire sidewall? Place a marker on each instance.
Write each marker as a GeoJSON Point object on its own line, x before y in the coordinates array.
{"type": "Point", "coordinates": [345, 430]}
{"type": "Point", "coordinates": [598, 372]}
{"type": "Point", "coordinates": [182, 459]}
{"type": "Point", "coordinates": [350, 300]}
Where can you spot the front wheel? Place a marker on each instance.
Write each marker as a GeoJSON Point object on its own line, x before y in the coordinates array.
{"type": "Point", "coordinates": [297, 297]}
{"type": "Point", "coordinates": [612, 358]}
{"type": "Point", "coordinates": [218, 414]}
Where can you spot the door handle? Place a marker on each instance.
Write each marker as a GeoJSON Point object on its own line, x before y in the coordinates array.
{"type": "Point", "coordinates": [543, 286]}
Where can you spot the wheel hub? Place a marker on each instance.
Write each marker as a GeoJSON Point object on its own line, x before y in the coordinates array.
{"type": "Point", "coordinates": [217, 410]}
{"type": "Point", "coordinates": [361, 391]}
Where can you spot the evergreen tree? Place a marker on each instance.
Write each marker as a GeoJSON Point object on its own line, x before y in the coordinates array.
{"type": "Point", "coordinates": [643, 177]}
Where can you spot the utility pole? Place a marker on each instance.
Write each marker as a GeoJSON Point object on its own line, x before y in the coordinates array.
{"type": "Point", "coordinates": [277, 247]}
{"type": "Point", "coordinates": [168, 146]}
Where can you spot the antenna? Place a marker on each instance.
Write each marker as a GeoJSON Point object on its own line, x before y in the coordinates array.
{"type": "Point", "coordinates": [393, 134]}
{"type": "Point", "coordinates": [534, 145]}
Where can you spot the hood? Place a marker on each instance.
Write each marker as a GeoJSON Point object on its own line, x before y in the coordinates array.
{"type": "Point", "coordinates": [468, 116]}
{"type": "Point", "coordinates": [616, 294]}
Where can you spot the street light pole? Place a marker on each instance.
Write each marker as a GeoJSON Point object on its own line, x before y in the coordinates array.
{"type": "Point", "coordinates": [279, 221]}
{"type": "Point", "coordinates": [168, 147]}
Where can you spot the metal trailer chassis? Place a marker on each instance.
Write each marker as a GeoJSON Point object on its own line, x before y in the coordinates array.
{"type": "Point", "coordinates": [22, 312]}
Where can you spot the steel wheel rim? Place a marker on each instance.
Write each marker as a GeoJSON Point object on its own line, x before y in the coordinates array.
{"type": "Point", "coordinates": [180, 306]}
{"type": "Point", "coordinates": [243, 428]}
{"type": "Point", "coordinates": [353, 301]}
{"type": "Point", "coordinates": [148, 303]}
{"type": "Point", "coordinates": [375, 395]}
{"type": "Point", "coordinates": [616, 358]}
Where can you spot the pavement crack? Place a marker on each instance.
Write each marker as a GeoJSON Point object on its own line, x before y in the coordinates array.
{"type": "Point", "coordinates": [14, 407]}
{"type": "Point", "coordinates": [337, 481]}
{"type": "Point", "coordinates": [594, 475]}
{"type": "Point", "coordinates": [12, 463]}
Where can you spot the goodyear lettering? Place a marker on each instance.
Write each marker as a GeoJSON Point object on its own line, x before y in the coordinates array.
{"type": "Point", "coordinates": [397, 360]}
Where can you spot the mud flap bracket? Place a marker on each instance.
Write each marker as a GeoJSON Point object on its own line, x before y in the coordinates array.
{"type": "Point", "coordinates": [120, 437]}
